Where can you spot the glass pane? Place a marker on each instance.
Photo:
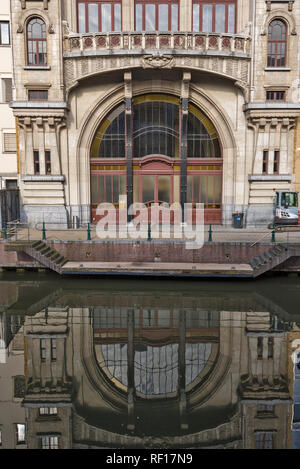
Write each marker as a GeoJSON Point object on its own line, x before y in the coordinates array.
{"type": "Point", "coordinates": [207, 19]}
{"type": "Point", "coordinates": [122, 185]}
{"type": "Point", "coordinates": [148, 188]}
{"type": "Point", "coordinates": [139, 17]}
{"type": "Point", "coordinates": [36, 31]}
{"type": "Point", "coordinates": [81, 17]}
{"type": "Point", "coordinates": [189, 193]}
{"type": "Point", "coordinates": [118, 26]}
{"type": "Point", "coordinates": [210, 189]}
{"type": "Point", "coordinates": [148, 318]}
{"type": "Point", "coordinates": [106, 17]}
{"type": "Point", "coordinates": [220, 19]}
{"type": "Point", "coordinates": [164, 188]}
{"type": "Point", "coordinates": [196, 17]}
{"type": "Point", "coordinates": [203, 189]}
{"type": "Point", "coordinates": [163, 23]}
{"type": "Point", "coordinates": [4, 33]}
{"type": "Point", "coordinates": [196, 196]}
{"type": "Point", "coordinates": [231, 18]}
{"type": "Point", "coordinates": [176, 183]}
{"type": "Point", "coordinates": [218, 187]}
{"type": "Point", "coordinates": [150, 17]}
{"type": "Point", "coordinates": [93, 18]}
{"type": "Point", "coordinates": [108, 189]}
{"type": "Point", "coordinates": [135, 189]}
{"type": "Point", "coordinates": [115, 189]}
{"type": "Point", "coordinates": [101, 189]}
{"type": "Point", "coordinates": [94, 189]}
{"type": "Point", "coordinates": [174, 11]}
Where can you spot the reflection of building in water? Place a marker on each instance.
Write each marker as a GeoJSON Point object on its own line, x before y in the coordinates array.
{"type": "Point", "coordinates": [12, 384]}
{"type": "Point", "coordinates": [143, 376]}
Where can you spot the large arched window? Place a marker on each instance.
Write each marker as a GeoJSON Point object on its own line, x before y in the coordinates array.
{"type": "Point", "coordinates": [156, 131]}
{"type": "Point", "coordinates": [36, 42]}
{"type": "Point", "coordinates": [277, 37]}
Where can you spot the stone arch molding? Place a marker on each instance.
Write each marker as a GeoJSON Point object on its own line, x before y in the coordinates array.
{"type": "Point", "coordinates": [279, 14]}
{"type": "Point", "coordinates": [93, 117]}
{"type": "Point", "coordinates": [25, 16]}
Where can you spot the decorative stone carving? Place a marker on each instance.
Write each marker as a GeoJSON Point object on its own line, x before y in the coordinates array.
{"type": "Point", "coordinates": [157, 61]}
{"type": "Point", "coordinates": [51, 29]}
{"type": "Point", "coordinates": [20, 29]}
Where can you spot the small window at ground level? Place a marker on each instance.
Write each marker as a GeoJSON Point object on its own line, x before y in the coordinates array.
{"type": "Point", "coordinates": [4, 33]}
{"type": "Point", "coordinates": [20, 433]}
{"type": "Point", "coordinates": [275, 95]}
{"type": "Point", "coordinates": [49, 442]}
{"type": "Point", "coordinates": [264, 440]}
{"type": "Point", "coordinates": [38, 95]}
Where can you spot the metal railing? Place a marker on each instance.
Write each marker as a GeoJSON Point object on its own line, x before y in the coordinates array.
{"type": "Point", "coordinates": [55, 231]}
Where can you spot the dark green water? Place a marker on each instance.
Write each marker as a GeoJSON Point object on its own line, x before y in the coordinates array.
{"type": "Point", "coordinates": [148, 364]}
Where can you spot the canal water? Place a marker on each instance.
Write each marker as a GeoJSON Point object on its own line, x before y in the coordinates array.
{"type": "Point", "coordinates": [130, 363]}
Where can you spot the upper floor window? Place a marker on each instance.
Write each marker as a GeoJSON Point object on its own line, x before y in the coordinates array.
{"type": "Point", "coordinates": [36, 42]}
{"type": "Point", "coordinates": [4, 33]}
{"type": "Point", "coordinates": [99, 16]}
{"type": "Point", "coordinates": [156, 15]}
{"type": "Point", "coordinates": [277, 35]}
{"type": "Point", "coordinates": [214, 16]}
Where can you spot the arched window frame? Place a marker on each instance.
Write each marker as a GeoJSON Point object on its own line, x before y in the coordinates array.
{"type": "Point", "coordinates": [275, 58]}
{"type": "Point", "coordinates": [39, 56]}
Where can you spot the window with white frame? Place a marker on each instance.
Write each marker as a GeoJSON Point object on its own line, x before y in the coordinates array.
{"type": "Point", "coordinates": [4, 33]}
{"type": "Point", "coordinates": [20, 434]}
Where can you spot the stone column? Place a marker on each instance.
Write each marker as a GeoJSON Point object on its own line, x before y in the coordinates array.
{"type": "Point", "coordinates": [128, 138]}
{"type": "Point", "coordinates": [183, 137]}
{"type": "Point", "coordinates": [130, 369]}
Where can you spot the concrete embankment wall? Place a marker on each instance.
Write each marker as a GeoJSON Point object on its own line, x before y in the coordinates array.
{"type": "Point", "coordinates": [145, 251]}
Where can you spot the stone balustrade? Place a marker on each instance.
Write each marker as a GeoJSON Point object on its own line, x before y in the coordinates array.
{"type": "Point", "coordinates": [171, 43]}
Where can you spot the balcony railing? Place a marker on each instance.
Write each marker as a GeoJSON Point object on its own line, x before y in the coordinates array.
{"type": "Point", "coordinates": [174, 43]}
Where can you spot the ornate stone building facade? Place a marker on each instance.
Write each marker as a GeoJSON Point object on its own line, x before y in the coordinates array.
{"type": "Point", "coordinates": [162, 101]}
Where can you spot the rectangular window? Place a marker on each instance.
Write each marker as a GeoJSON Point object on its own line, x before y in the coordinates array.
{"type": "Point", "coordinates": [9, 143]}
{"type": "Point", "coordinates": [265, 162]}
{"type": "Point", "coordinates": [47, 411]}
{"type": "Point", "coordinates": [19, 386]}
{"type": "Point", "coordinates": [4, 33]}
{"type": "Point", "coordinates": [49, 442]}
{"type": "Point", "coordinates": [53, 349]}
{"type": "Point", "coordinates": [36, 162]}
{"type": "Point", "coordinates": [276, 162]}
{"type": "Point", "coordinates": [270, 347]}
{"type": "Point", "coordinates": [265, 409]}
{"type": "Point", "coordinates": [213, 16]}
{"type": "Point", "coordinates": [38, 95]}
{"type": "Point", "coordinates": [43, 349]}
{"type": "Point", "coordinates": [48, 161]}
{"type": "Point", "coordinates": [278, 95]}
{"type": "Point", "coordinates": [11, 184]}
{"type": "Point", "coordinates": [259, 348]}
{"type": "Point", "coordinates": [157, 15]}
{"type": "Point", "coordinates": [99, 16]}
{"type": "Point", "coordinates": [20, 433]}
{"type": "Point", "coordinates": [6, 90]}
{"type": "Point", "coordinates": [264, 440]}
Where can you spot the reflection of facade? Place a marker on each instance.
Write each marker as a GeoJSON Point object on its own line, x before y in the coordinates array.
{"type": "Point", "coordinates": [208, 378]}
{"type": "Point", "coordinates": [153, 368]}
{"type": "Point", "coordinates": [163, 101]}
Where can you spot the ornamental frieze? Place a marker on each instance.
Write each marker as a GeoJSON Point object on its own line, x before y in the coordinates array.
{"type": "Point", "coordinates": [80, 67]}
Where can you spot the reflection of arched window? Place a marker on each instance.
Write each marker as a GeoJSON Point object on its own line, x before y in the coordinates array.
{"type": "Point", "coordinates": [277, 35]}
{"type": "Point", "coordinates": [36, 42]}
